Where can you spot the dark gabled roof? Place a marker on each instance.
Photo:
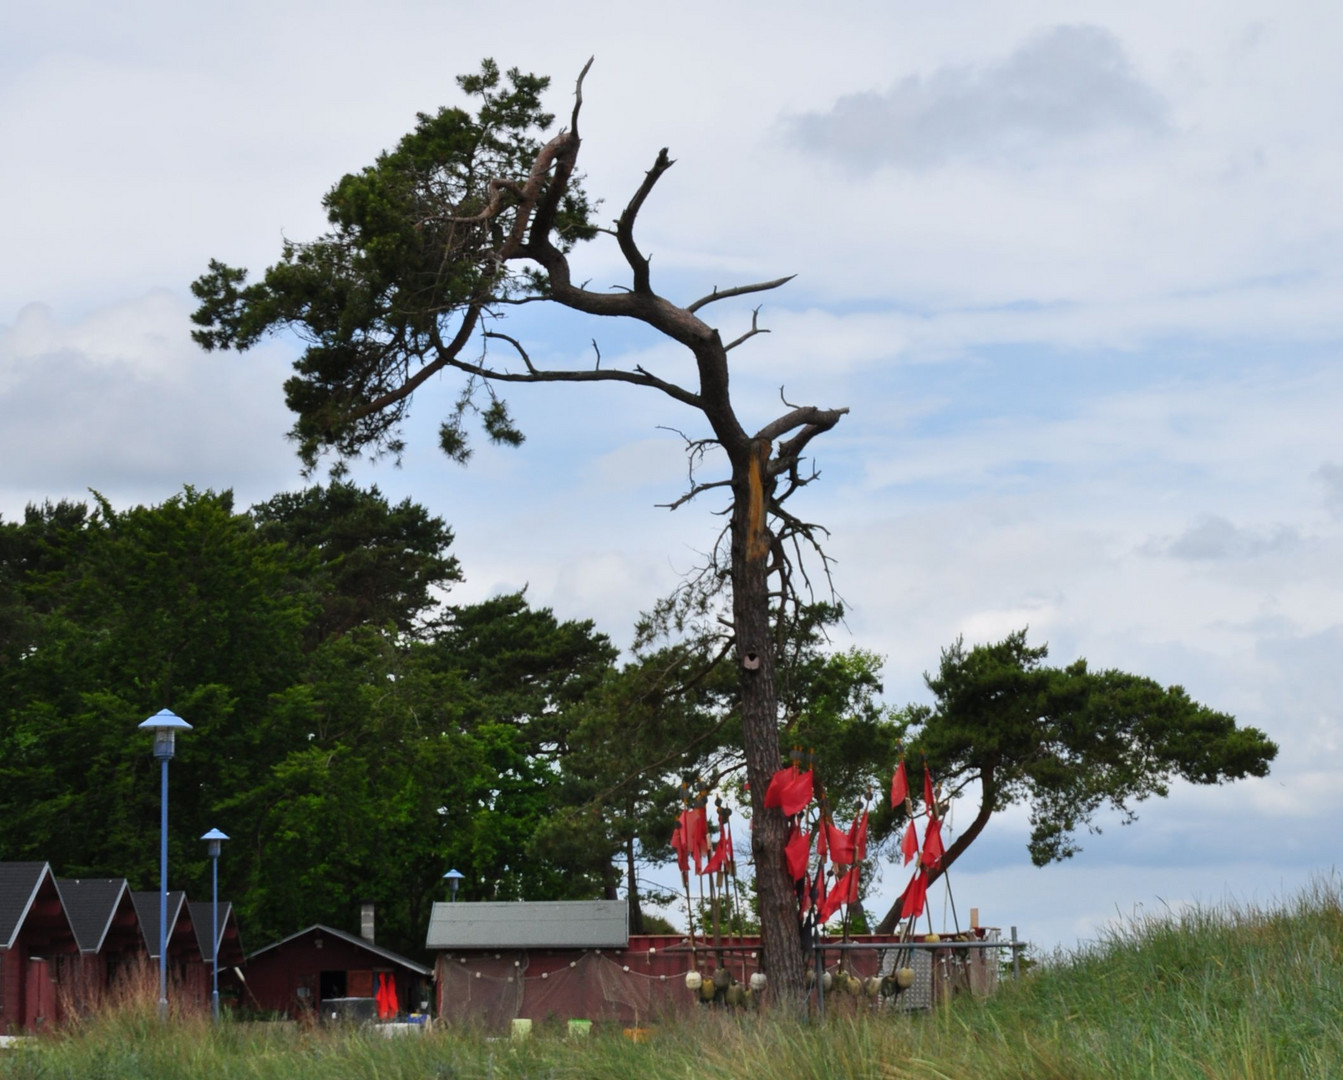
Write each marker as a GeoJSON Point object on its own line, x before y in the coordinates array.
{"type": "Point", "coordinates": [90, 905]}
{"type": "Point", "coordinates": [386, 954]}
{"type": "Point", "coordinates": [147, 911]}
{"type": "Point", "coordinates": [200, 919]}
{"type": "Point", "coordinates": [534, 924]}
{"type": "Point", "coordinates": [19, 882]}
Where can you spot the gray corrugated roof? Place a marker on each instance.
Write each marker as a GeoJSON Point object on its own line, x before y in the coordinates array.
{"type": "Point", "coordinates": [536, 924]}
{"type": "Point", "coordinates": [147, 911]}
{"type": "Point", "coordinates": [18, 885]}
{"type": "Point", "coordinates": [90, 904]}
{"type": "Point", "coordinates": [386, 954]}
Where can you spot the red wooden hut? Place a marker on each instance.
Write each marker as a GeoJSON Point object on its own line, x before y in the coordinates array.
{"type": "Point", "coordinates": [304, 973]}
{"type": "Point", "coordinates": [186, 972]}
{"type": "Point", "coordinates": [38, 949]}
{"type": "Point", "coordinates": [105, 924]}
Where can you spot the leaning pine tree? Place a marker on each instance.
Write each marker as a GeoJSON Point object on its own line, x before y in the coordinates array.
{"type": "Point", "coordinates": [471, 214]}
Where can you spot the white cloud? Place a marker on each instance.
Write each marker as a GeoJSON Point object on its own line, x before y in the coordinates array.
{"type": "Point", "coordinates": [1061, 86]}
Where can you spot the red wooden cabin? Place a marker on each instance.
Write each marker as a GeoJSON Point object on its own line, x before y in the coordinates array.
{"type": "Point", "coordinates": [38, 949]}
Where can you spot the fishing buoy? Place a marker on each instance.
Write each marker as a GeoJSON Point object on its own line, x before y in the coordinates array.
{"type": "Point", "coordinates": [693, 980]}
{"type": "Point", "coordinates": [904, 978]}
{"type": "Point", "coordinates": [722, 978]}
{"type": "Point", "coordinates": [758, 981]}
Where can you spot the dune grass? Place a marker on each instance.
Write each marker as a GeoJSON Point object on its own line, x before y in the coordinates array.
{"type": "Point", "coordinates": [1219, 992]}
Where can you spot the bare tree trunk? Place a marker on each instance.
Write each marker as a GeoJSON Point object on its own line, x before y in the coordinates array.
{"type": "Point", "coordinates": [781, 939]}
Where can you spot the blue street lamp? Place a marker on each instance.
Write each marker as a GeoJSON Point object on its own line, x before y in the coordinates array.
{"type": "Point", "coordinates": [214, 836]}
{"type": "Point", "coordinates": [165, 724]}
{"type": "Point", "coordinates": [452, 877]}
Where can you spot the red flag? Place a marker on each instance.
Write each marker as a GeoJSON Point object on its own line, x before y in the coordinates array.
{"type": "Point", "coordinates": [381, 998]}
{"type": "Point", "coordinates": [679, 846]}
{"type": "Point", "coordinates": [796, 794]}
{"type": "Point", "coordinates": [393, 1004]}
{"type": "Point", "coordinates": [899, 785]}
{"type": "Point", "coordinates": [777, 784]}
{"type": "Point", "coordinates": [932, 844]}
{"type": "Point", "coordinates": [796, 852]}
{"type": "Point", "coordinates": [844, 891]}
{"type": "Point", "coordinates": [840, 845]}
{"type": "Point", "coordinates": [858, 837]}
{"type": "Point", "coordinates": [695, 838]}
{"type": "Point", "coordinates": [909, 846]}
{"type": "Point", "coordinates": [853, 877]}
{"type": "Point", "coordinates": [722, 853]}
{"type": "Point", "coordinates": [928, 798]}
{"type": "Point", "coordinates": [916, 892]}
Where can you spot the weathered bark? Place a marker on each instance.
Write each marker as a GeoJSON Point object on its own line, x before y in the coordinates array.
{"type": "Point", "coordinates": [750, 546]}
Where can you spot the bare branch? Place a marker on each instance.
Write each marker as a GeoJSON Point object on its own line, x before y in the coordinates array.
{"type": "Point", "coordinates": [578, 95]}
{"type": "Point", "coordinates": [598, 352]}
{"type": "Point", "coordinates": [739, 290]}
{"type": "Point", "coordinates": [807, 415]}
{"type": "Point", "coordinates": [755, 329]}
{"type": "Point", "coordinates": [698, 489]}
{"type": "Point", "coordinates": [516, 345]}
{"type": "Point", "coordinates": [625, 223]}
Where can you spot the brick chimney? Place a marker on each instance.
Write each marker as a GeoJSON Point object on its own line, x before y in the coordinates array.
{"type": "Point", "coordinates": [366, 922]}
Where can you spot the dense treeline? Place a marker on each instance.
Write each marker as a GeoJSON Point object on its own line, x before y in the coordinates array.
{"type": "Point", "coordinates": [354, 733]}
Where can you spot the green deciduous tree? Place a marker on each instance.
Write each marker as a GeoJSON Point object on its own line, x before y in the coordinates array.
{"type": "Point", "coordinates": [473, 213]}
{"type": "Point", "coordinates": [1065, 742]}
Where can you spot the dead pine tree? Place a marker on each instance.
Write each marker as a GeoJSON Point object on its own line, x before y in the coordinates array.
{"type": "Point", "coordinates": [471, 214]}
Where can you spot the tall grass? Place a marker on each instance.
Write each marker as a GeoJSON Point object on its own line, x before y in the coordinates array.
{"type": "Point", "coordinates": [1222, 992]}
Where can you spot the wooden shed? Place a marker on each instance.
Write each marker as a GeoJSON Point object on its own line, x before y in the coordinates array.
{"type": "Point", "coordinates": [308, 970]}
{"type": "Point", "coordinates": [186, 971]}
{"type": "Point", "coordinates": [38, 949]}
{"type": "Point", "coordinates": [107, 929]}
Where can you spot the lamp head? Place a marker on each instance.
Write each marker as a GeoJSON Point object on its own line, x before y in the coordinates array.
{"type": "Point", "coordinates": [214, 836]}
{"type": "Point", "coordinates": [165, 724]}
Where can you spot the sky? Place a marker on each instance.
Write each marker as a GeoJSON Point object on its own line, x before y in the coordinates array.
{"type": "Point", "coordinates": [1074, 268]}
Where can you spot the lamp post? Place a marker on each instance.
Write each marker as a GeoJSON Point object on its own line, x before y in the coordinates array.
{"type": "Point", "coordinates": [214, 837]}
{"type": "Point", "coordinates": [452, 877]}
{"type": "Point", "coordinates": [165, 724]}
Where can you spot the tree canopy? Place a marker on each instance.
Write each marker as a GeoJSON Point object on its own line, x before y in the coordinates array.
{"type": "Point", "coordinates": [1065, 742]}
{"type": "Point", "coordinates": [350, 732]}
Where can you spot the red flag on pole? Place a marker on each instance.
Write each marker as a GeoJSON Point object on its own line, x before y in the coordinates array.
{"type": "Point", "coordinates": [722, 853]}
{"type": "Point", "coordinates": [844, 891]}
{"type": "Point", "coordinates": [796, 852]}
{"type": "Point", "coordinates": [929, 800]}
{"type": "Point", "coordinates": [932, 844]}
{"type": "Point", "coordinates": [909, 846]}
{"type": "Point", "coordinates": [777, 783]}
{"type": "Point", "coordinates": [839, 844]}
{"type": "Point", "coordinates": [858, 837]}
{"type": "Point", "coordinates": [899, 785]}
{"type": "Point", "coordinates": [916, 892]}
{"type": "Point", "coordinates": [796, 793]}
{"type": "Point", "coordinates": [679, 846]}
